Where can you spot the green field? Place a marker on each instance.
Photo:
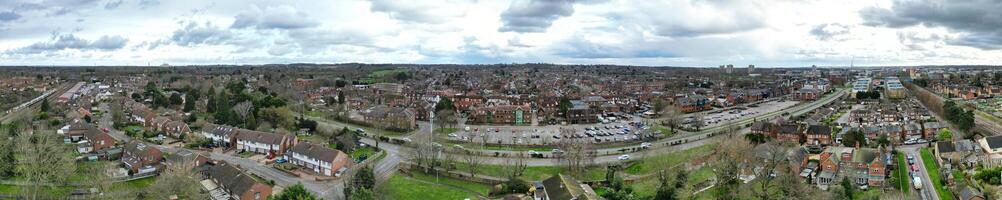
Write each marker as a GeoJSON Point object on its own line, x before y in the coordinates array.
{"type": "Point", "coordinates": [482, 189]}
{"type": "Point", "coordinates": [657, 162]}
{"type": "Point", "coordinates": [400, 187]}
{"type": "Point", "coordinates": [534, 173]}
{"type": "Point", "coordinates": [900, 177]}
{"type": "Point", "coordinates": [386, 72]}
{"type": "Point", "coordinates": [649, 187]}
{"type": "Point", "coordinates": [932, 169]}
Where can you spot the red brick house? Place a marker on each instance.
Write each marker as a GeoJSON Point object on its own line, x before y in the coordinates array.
{"type": "Point", "coordinates": [818, 135]}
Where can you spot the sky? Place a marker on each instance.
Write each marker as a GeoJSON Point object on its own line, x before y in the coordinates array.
{"type": "Point", "coordinates": [695, 33]}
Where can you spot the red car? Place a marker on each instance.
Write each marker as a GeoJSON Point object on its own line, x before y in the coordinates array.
{"type": "Point", "coordinates": [105, 130]}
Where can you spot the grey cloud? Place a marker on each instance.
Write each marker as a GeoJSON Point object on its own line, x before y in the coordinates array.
{"type": "Point", "coordinates": [675, 18]}
{"type": "Point", "coordinates": [194, 33]}
{"type": "Point", "coordinates": [829, 31]}
{"type": "Point", "coordinates": [7, 16]}
{"type": "Point", "coordinates": [113, 4]}
{"type": "Point", "coordinates": [405, 11]}
{"type": "Point", "coordinates": [976, 20]}
{"type": "Point", "coordinates": [534, 15]}
{"type": "Point", "coordinates": [632, 47]}
{"type": "Point", "coordinates": [281, 17]}
{"type": "Point", "coordinates": [70, 41]}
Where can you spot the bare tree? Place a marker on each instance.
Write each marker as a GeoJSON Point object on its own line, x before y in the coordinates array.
{"type": "Point", "coordinates": [243, 109]}
{"type": "Point", "coordinates": [517, 167]}
{"type": "Point", "coordinates": [576, 153]}
{"type": "Point", "coordinates": [770, 157]}
{"type": "Point", "coordinates": [730, 155]}
{"type": "Point", "coordinates": [698, 121]}
{"type": "Point", "coordinates": [473, 161]}
{"type": "Point", "coordinates": [44, 162]}
{"type": "Point", "coordinates": [672, 117]}
{"type": "Point", "coordinates": [178, 179]}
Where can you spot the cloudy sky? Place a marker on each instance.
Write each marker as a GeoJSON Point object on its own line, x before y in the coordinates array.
{"type": "Point", "coordinates": [767, 33]}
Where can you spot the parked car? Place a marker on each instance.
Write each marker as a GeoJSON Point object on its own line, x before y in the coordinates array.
{"type": "Point", "coordinates": [624, 157]}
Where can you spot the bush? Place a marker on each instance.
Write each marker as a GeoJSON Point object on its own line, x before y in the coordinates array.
{"type": "Point", "coordinates": [514, 186]}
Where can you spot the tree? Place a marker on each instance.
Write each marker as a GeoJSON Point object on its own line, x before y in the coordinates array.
{"type": "Point", "coordinates": [178, 179]}
{"type": "Point", "coordinates": [363, 194]}
{"type": "Point", "coordinates": [443, 104]}
{"type": "Point", "coordinates": [774, 156]}
{"type": "Point", "coordinates": [576, 153]}
{"type": "Point", "coordinates": [730, 153]}
{"type": "Point", "coordinates": [43, 160]}
{"type": "Point", "coordinates": [517, 167]}
{"type": "Point", "coordinates": [364, 179]}
{"type": "Point", "coordinates": [473, 161]}
{"type": "Point", "coordinates": [854, 137]}
{"type": "Point", "coordinates": [673, 116]}
{"type": "Point", "coordinates": [189, 105]}
{"type": "Point", "coordinates": [294, 192]}
{"type": "Point", "coordinates": [279, 117]}
{"type": "Point", "coordinates": [340, 98]}
{"type": "Point", "coordinates": [944, 135]}
{"type": "Point", "coordinates": [564, 105]}
{"type": "Point", "coordinates": [756, 138]}
{"type": "Point", "coordinates": [883, 140]}
{"type": "Point", "coordinates": [175, 99]}
{"type": "Point", "coordinates": [45, 105]}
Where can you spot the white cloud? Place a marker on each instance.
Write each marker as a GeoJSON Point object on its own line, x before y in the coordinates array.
{"type": "Point", "coordinates": [672, 32]}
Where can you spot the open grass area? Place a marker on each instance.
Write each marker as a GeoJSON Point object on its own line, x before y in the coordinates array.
{"type": "Point", "coordinates": [315, 138]}
{"type": "Point", "coordinates": [386, 72]}
{"type": "Point", "coordinates": [482, 189]}
{"type": "Point", "coordinates": [400, 187]}
{"type": "Point", "coordinates": [900, 178]}
{"type": "Point", "coordinates": [933, 170]}
{"type": "Point", "coordinates": [314, 114]}
{"type": "Point", "coordinates": [535, 173]}
{"type": "Point", "coordinates": [133, 185]}
{"type": "Point", "coordinates": [649, 187]}
{"type": "Point", "coordinates": [657, 162]}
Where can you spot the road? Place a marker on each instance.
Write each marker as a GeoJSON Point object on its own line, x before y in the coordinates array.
{"type": "Point", "coordinates": [927, 191]}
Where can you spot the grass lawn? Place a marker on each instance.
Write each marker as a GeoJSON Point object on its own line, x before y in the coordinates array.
{"type": "Point", "coordinates": [932, 169]}
{"type": "Point", "coordinates": [656, 162]}
{"type": "Point", "coordinates": [400, 187]}
{"type": "Point", "coordinates": [315, 138]}
{"type": "Point", "coordinates": [9, 189]}
{"type": "Point", "coordinates": [866, 194]}
{"type": "Point", "coordinates": [483, 189]}
{"type": "Point", "coordinates": [649, 187]}
{"type": "Point", "coordinates": [386, 72]}
{"type": "Point", "coordinates": [365, 151]}
{"type": "Point", "coordinates": [445, 131]}
{"type": "Point", "coordinates": [900, 178]}
{"type": "Point", "coordinates": [137, 184]}
{"type": "Point", "coordinates": [535, 173]}
{"type": "Point", "coordinates": [664, 130]}
{"type": "Point", "coordinates": [314, 114]}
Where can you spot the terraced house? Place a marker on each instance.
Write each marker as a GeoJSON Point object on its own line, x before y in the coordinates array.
{"type": "Point", "coordinates": [271, 144]}
{"type": "Point", "coordinates": [320, 159]}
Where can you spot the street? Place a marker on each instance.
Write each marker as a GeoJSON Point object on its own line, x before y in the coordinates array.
{"type": "Point", "coordinates": [927, 192]}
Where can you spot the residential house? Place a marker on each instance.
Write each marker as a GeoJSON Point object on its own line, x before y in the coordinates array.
{"type": "Point", "coordinates": [864, 167]}
{"type": "Point", "coordinates": [271, 144]}
{"type": "Point", "coordinates": [991, 146]}
{"type": "Point", "coordinates": [228, 182]}
{"type": "Point", "coordinates": [95, 140]}
{"type": "Point", "coordinates": [319, 158]}
{"type": "Point", "coordinates": [561, 187]}
{"type": "Point", "coordinates": [220, 135]}
{"type": "Point", "coordinates": [789, 133]}
{"type": "Point", "coordinates": [963, 152]}
{"type": "Point", "coordinates": [139, 157]}
{"type": "Point", "coordinates": [390, 117]}
{"type": "Point", "coordinates": [819, 135]}
{"type": "Point", "coordinates": [176, 128]}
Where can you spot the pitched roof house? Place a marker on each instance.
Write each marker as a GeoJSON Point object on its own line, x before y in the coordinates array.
{"type": "Point", "coordinates": [319, 158]}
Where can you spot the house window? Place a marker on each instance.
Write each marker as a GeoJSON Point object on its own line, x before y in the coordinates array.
{"type": "Point", "coordinates": [257, 195]}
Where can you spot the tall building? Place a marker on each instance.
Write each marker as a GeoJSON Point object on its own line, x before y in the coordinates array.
{"type": "Point", "coordinates": [730, 68]}
{"type": "Point", "coordinates": [751, 69]}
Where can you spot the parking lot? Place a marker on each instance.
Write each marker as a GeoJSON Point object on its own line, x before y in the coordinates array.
{"type": "Point", "coordinates": [742, 112]}
{"type": "Point", "coordinates": [545, 135]}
